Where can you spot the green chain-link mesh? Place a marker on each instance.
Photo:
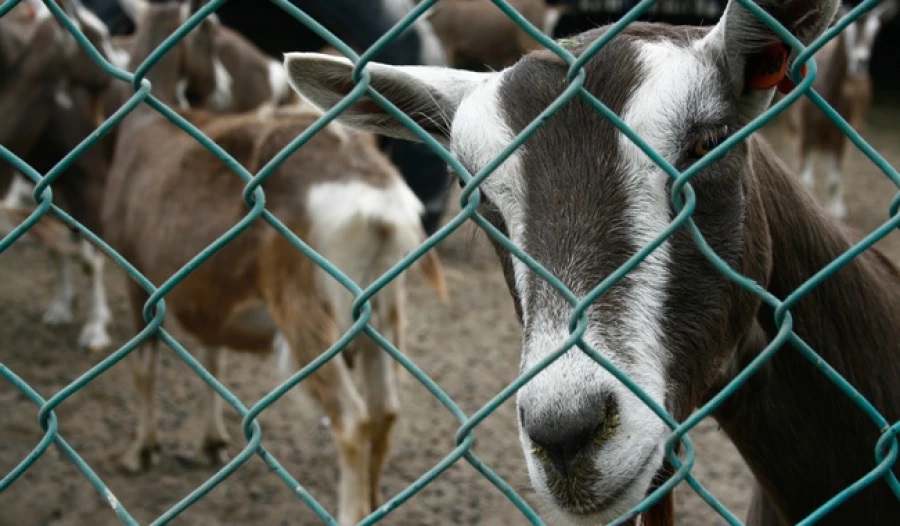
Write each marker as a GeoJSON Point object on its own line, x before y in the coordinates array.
{"type": "Point", "coordinates": [682, 195]}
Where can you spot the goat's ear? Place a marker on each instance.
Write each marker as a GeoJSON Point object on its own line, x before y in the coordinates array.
{"type": "Point", "coordinates": [750, 51]}
{"type": "Point", "coordinates": [428, 95]}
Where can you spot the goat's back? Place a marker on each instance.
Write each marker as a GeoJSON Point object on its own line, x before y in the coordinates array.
{"type": "Point", "coordinates": [169, 198]}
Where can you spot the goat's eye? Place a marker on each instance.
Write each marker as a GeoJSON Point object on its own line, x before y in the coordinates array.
{"type": "Point", "coordinates": [709, 140]}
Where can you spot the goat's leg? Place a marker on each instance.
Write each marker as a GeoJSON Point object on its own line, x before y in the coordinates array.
{"type": "Point", "coordinates": [215, 438]}
{"type": "Point", "coordinates": [94, 335]}
{"type": "Point", "coordinates": [332, 384]}
{"type": "Point", "coordinates": [309, 326]}
{"type": "Point", "coordinates": [60, 308]}
{"type": "Point", "coordinates": [144, 449]}
{"type": "Point", "coordinates": [834, 186]}
{"type": "Point", "coordinates": [381, 396]}
{"type": "Point", "coordinates": [380, 391]}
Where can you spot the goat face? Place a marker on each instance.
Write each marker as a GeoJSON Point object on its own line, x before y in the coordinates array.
{"type": "Point", "coordinates": [581, 199]}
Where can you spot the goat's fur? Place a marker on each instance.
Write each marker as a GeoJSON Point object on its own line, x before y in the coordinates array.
{"type": "Point", "coordinates": [581, 199]}
{"type": "Point", "coordinates": [338, 193]}
{"type": "Point", "coordinates": [50, 97]}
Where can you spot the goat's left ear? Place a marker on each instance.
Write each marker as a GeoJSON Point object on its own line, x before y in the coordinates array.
{"type": "Point", "coordinates": [428, 95]}
{"type": "Point", "coordinates": [753, 55]}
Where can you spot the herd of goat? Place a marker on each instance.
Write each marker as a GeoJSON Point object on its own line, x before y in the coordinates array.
{"type": "Point", "coordinates": [159, 198]}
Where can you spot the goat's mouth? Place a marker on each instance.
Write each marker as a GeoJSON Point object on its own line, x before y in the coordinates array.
{"type": "Point", "coordinates": [593, 490]}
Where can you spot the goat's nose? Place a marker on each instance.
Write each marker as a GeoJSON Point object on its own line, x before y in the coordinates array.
{"type": "Point", "coordinates": [561, 442]}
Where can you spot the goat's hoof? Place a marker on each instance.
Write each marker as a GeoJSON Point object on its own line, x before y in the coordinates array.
{"type": "Point", "coordinates": [212, 452]}
{"type": "Point", "coordinates": [139, 458]}
{"type": "Point", "coordinates": [94, 337]}
{"type": "Point", "coordinates": [58, 313]}
{"type": "Point", "coordinates": [215, 451]}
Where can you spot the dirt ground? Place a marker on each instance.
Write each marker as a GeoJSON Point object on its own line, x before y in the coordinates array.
{"type": "Point", "coordinates": [470, 347]}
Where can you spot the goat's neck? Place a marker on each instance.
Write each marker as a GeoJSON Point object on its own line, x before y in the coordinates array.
{"type": "Point", "coordinates": [164, 75]}
{"type": "Point", "coordinates": [803, 438]}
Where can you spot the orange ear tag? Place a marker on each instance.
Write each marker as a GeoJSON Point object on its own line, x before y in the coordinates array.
{"type": "Point", "coordinates": [768, 68]}
{"type": "Point", "coordinates": [787, 85]}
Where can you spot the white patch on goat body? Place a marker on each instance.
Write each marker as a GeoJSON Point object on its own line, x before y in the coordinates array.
{"type": "Point", "coordinates": [278, 82]}
{"type": "Point", "coordinates": [221, 97]}
{"type": "Point", "coordinates": [355, 213]}
{"type": "Point", "coordinates": [41, 11]}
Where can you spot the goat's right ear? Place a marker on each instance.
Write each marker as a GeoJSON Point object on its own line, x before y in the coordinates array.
{"type": "Point", "coordinates": [753, 55]}
{"type": "Point", "coordinates": [428, 95]}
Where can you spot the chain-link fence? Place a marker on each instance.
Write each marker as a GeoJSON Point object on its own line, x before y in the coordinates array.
{"type": "Point", "coordinates": [683, 200]}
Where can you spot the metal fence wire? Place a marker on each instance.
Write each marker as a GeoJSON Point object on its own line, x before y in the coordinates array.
{"type": "Point", "coordinates": [886, 451]}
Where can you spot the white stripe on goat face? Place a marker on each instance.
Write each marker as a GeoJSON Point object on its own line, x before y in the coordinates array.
{"type": "Point", "coordinates": [479, 133]}
{"type": "Point", "coordinates": [676, 85]}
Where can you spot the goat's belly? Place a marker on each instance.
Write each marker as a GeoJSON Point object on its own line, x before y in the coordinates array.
{"type": "Point", "coordinates": [218, 320]}
{"type": "Point", "coordinates": [250, 328]}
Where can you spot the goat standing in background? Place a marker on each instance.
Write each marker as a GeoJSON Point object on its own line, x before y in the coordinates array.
{"type": "Point", "coordinates": [359, 23]}
{"type": "Point", "coordinates": [582, 199]}
{"type": "Point", "coordinates": [337, 192]}
{"type": "Point", "coordinates": [58, 115]}
{"type": "Point", "coordinates": [844, 82]}
{"type": "Point", "coordinates": [50, 98]}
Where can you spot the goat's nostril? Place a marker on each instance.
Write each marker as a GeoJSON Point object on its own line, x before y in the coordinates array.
{"type": "Point", "coordinates": [561, 445]}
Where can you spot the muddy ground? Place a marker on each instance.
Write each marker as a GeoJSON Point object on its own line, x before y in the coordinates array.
{"type": "Point", "coordinates": [470, 347]}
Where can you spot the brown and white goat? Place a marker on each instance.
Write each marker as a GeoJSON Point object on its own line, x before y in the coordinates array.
{"type": "Point", "coordinates": [475, 33]}
{"type": "Point", "coordinates": [844, 82]}
{"type": "Point", "coordinates": [49, 100]}
{"type": "Point", "coordinates": [581, 199]}
{"type": "Point", "coordinates": [338, 193]}
{"type": "Point", "coordinates": [246, 78]}
{"type": "Point", "coordinates": [242, 79]}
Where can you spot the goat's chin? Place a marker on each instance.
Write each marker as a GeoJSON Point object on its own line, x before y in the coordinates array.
{"type": "Point", "coordinates": [611, 483]}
